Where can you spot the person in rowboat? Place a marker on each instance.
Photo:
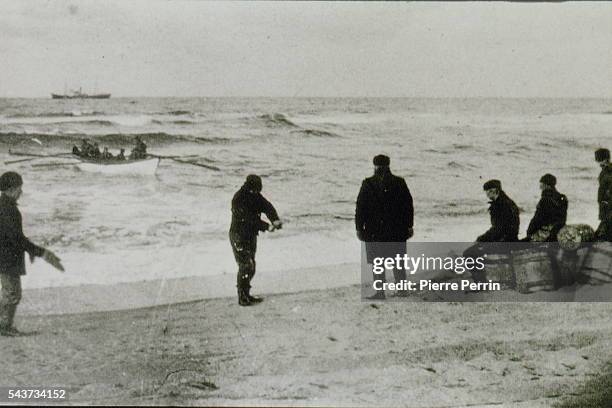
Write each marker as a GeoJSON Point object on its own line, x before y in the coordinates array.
{"type": "Point", "coordinates": [95, 152]}
{"type": "Point", "coordinates": [13, 246]}
{"type": "Point", "coordinates": [140, 150]}
{"type": "Point", "coordinates": [86, 148]}
{"type": "Point", "coordinates": [106, 155]}
{"type": "Point", "coordinates": [121, 155]}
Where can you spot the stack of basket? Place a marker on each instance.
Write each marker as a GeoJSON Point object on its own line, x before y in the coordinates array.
{"type": "Point", "coordinates": [547, 267]}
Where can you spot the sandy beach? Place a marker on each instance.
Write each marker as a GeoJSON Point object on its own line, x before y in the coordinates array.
{"type": "Point", "coordinates": [308, 346]}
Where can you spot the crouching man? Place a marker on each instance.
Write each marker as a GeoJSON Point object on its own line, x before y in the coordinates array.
{"type": "Point", "coordinates": [505, 224]}
{"type": "Point", "coordinates": [551, 212]}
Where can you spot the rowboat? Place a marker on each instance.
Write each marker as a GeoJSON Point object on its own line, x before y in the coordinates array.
{"type": "Point", "coordinates": [145, 167]}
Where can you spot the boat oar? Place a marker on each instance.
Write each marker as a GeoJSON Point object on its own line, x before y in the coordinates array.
{"type": "Point", "coordinates": [206, 166]}
{"type": "Point", "coordinates": [34, 156]}
{"type": "Point", "coordinates": [171, 157]}
{"type": "Point", "coordinates": [178, 160]}
{"type": "Point", "coordinates": [20, 160]}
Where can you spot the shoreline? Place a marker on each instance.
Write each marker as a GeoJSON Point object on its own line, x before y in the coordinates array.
{"type": "Point", "coordinates": [86, 298]}
{"type": "Point", "coordinates": [316, 347]}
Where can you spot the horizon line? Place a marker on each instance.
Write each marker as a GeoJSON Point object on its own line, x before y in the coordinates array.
{"type": "Point", "coordinates": [326, 97]}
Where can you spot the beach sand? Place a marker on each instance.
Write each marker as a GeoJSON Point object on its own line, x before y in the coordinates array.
{"type": "Point", "coordinates": [310, 347]}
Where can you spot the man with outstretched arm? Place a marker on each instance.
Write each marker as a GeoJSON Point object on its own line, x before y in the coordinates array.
{"type": "Point", "coordinates": [13, 246]}
{"type": "Point", "coordinates": [247, 206]}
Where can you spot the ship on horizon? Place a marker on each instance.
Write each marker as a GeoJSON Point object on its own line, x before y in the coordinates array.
{"type": "Point", "coordinates": [79, 94]}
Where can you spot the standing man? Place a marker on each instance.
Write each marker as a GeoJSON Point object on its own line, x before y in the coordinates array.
{"type": "Point", "coordinates": [384, 217]}
{"type": "Point", "coordinates": [551, 212]}
{"type": "Point", "coordinates": [604, 196]}
{"type": "Point", "coordinates": [13, 246]}
{"type": "Point", "coordinates": [247, 206]}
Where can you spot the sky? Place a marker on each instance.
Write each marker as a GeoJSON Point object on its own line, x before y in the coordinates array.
{"type": "Point", "coordinates": [403, 49]}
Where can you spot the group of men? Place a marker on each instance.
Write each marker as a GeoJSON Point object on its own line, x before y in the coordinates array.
{"type": "Point", "coordinates": [92, 151]}
{"type": "Point", "coordinates": [384, 214]}
{"type": "Point", "coordinates": [551, 211]}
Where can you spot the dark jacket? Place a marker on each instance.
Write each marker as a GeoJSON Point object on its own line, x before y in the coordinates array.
{"type": "Point", "coordinates": [551, 210]}
{"type": "Point", "coordinates": [384, 210]}
{"type": "Point", "coordinates": [604, 194]}
{"type": "Point", "coordinates": [13, 244]}
{"type": "Point", "coordinates": [504, 221]}
{"type": "Point", "coordinates": [247, 207]}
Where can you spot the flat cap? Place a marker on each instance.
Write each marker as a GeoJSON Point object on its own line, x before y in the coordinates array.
{"type": "Point", "coordinates": [381, 160]}
{"type": "Point", "coordinates": [492, 184]}
{"type": "Point", "coordinates": [9, 180]}
{"type": "Point", "coordinates": [253, 182]}
{"type": "Point", "coordinates": [602, 154]}
{"type": "Point", "coordinates": [549, 180]}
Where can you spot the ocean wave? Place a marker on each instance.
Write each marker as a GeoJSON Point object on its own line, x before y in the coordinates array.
{"type": "Point", "coordinates": [315, 133]}
{"type": "Point", "coordinates": [277, 120]}
{"type": "Point", "coordinates": [172, 122]}
{"type": "Point", "coordinates": [462, 146]}
{"type": "Point", "coordinates": [179, 112]}
{"type": "Point", "coordinates": [220, 140]}
{"type": "Point", "coordinates": [457, 165]}
{"type": "Point", "coordinates": [67, 120]}
{"type": "Point", "coordinates": [70, 114]}
{"type": "Point", "coordinates": [117, 139]}
{"type": "Point", "coordinates": [462, 213]}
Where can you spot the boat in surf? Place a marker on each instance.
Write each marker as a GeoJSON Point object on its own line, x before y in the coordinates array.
{"type": "Point", "coordinates": [79, 94]}
{"type": "Point", "coordinates": [143, 167]}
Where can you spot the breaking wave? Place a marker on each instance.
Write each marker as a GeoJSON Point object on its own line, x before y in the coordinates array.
{"type": "Point", "coordinates": [315, 133]}
{"type": "Point", "coordinates": [12, 138]}
{"type": "Point", "coordinates": [75, 113]}
{"type": "Point", "coordinates": [277, 120]}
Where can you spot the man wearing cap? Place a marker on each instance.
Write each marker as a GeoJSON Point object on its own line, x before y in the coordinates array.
{"type": "Point", "coordinates": [504, 225]}
{"type": "Point", "coordinates": [504, 215]}
{"type": "Point", "coordinates": [384, 217]}
{"type": "Point", "coordinates": [13, 246]}
{"type": "Point", "coordinates": [247, 206]}
{"type": "Point", "coordinates": [551, 212]}
{"type": "Point", "coordinates": [604, 195]}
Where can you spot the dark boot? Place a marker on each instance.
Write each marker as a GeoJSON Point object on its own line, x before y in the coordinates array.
{"type": "Point", "coordinates": [253, 299]}
{"type": "Point", "coordinates": [243, 299]}
{"type": "Point", "coordinates": [380, 295]}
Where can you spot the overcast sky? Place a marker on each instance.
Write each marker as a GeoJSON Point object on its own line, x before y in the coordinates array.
{"type": "Point", "coordinates": [196, 48]}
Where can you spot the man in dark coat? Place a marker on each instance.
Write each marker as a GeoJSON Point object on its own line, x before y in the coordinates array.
{"type": "Point", "coordinates": [504, 215]}
{"type": "Point", "coordinates": [505, 224]}
{"type": "Point", "coordinates": [13, 246]}
{"type": "Point", "coordinates": [551, 212]}
{"type": "Point", "coordinates": [604, 196]}
{"type": "Point", "coordinates": [384, 217]}
{"type": "Point", "coordinates": [247, 206]}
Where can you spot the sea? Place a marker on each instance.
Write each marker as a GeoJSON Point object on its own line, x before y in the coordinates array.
{"type": "Point", "coordinates": [312, 154]}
